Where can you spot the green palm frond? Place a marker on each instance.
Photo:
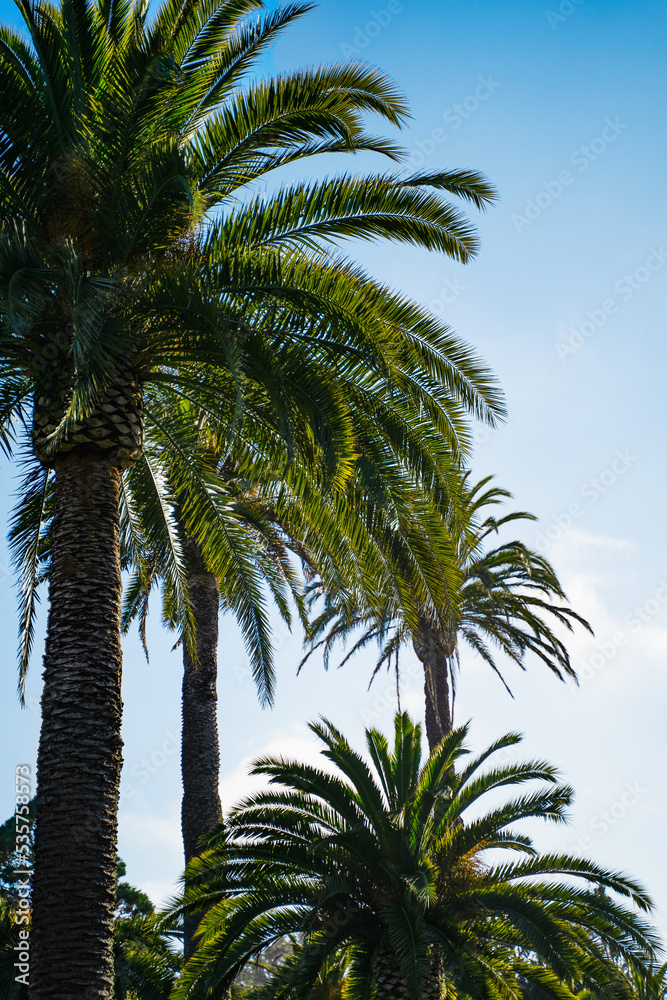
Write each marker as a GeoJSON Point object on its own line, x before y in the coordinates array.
{"type": "Point", "coordinates": [29, 544]}
{"type": "Point", "coordinates": [421, 892]}
{"type": "Point", "coordinates": [350, 208]}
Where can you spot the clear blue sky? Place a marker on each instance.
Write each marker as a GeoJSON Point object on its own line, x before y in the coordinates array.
{"type": "Point", "coordinates": [562, 105]}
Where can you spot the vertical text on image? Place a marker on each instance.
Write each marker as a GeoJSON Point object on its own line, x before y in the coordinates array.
{"type": "Point", "coordinates": [23, 863]}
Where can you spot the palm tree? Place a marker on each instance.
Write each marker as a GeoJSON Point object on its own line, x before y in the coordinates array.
{"type": "Point", "coordinates": [371, 304]}
{"type": "Point", "coordinates": [505, 598]}
{"type": "Point", "coordinates": [261, 557]}
{"type": "Point", "coordinates": [375, 857]}
{"type": "Point", "coordinates": [270, 519]}
{"type": "Point", "coordinates": [120, 134]}
{"type": "Point", "coordinates": [509, 600]}
{"type": "Point", "coordinates": [145, 965]}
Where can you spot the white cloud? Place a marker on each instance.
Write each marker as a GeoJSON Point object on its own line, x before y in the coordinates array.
{"type": "Point", "coordinates": [297, 743]}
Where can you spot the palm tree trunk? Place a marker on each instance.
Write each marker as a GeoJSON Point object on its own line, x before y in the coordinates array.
{"type": "Point", "coordinates": [434, 650]}
{"type": "Point", "coordinates": [79, 758]}
{"type": "Point", "coordinates": [200, 756]}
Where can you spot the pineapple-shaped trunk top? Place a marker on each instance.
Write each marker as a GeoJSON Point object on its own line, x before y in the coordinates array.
{"type": "Point", "coordinates": [390, 984]}
{"type": "Point", "coordinates": [114, 426]}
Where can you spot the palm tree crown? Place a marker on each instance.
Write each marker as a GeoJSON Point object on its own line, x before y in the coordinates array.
{"type": "Point", "coordinates": [506, 598]}
{"type": "Point", "coordinates": [397, 860]}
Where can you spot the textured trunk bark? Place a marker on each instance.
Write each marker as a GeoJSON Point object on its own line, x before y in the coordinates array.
{"type": "Point", "coordinates": [200, 758]}
{"type": "Point", "coordinates": [79, 758]}
{"type": "Point", "coordinates": [434, 650]}
{"type": "Point", "coordinates": [389, 982]}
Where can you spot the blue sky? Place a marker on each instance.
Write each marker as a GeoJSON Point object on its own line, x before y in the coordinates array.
{"type": "Point", "coordinates": [561, 105]}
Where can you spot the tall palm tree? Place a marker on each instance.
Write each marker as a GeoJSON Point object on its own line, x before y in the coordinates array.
{"type": "Point", "coordinates": [270, 518]}
{"type": "Point", "coordinates": [373, 856]}
{"type": "Point", "coordinates": [507, 598]}
{"type": "Point", "coordinates": [145, 964]}
{"type": "Point", "coordinates": [261, 558]}
{"type": "Point", "coordinates": [169, 454]}
{"type": "Point", "coordinates": [119, 133]}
